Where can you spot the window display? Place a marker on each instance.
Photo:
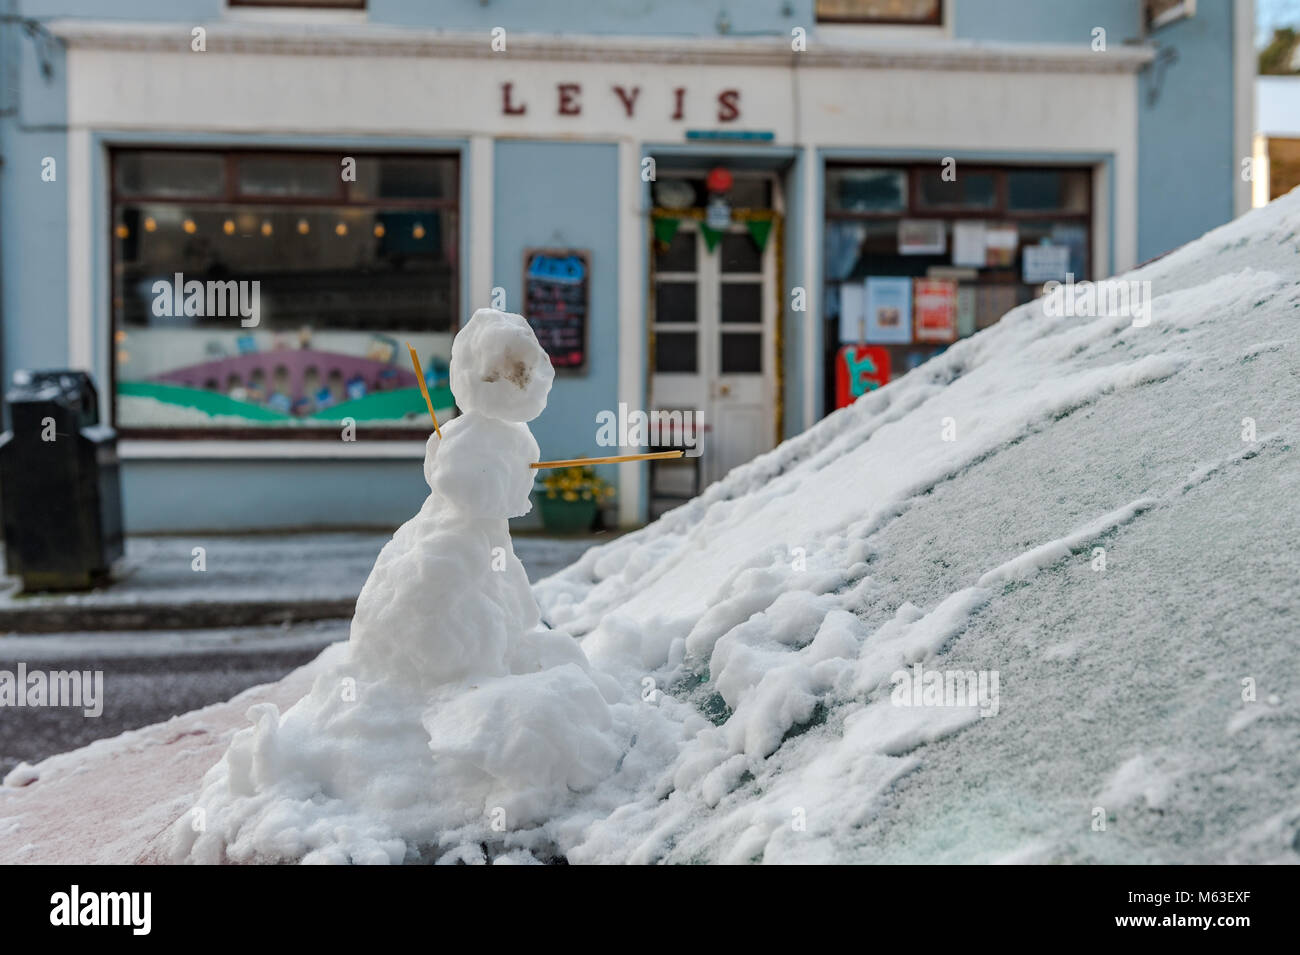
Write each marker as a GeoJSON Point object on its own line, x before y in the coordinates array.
{"type": "Point", "coordinates": [272, 293]}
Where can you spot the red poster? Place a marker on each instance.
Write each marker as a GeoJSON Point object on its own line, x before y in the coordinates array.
{"type": "Point", "coordinates": [859, 369]}
{"type": "Point", "coordinates": [934, 311]}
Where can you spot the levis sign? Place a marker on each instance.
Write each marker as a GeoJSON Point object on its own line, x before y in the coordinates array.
{"type": "Point", "coordinates": [567, 100]}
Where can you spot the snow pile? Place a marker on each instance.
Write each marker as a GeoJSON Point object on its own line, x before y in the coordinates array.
{"type": "Point", "coordinates": [448, 704]}
{"type": "Point", "coordinates": [1035, 601]}
{"type": "Point", "coordinates": [1093, 516]}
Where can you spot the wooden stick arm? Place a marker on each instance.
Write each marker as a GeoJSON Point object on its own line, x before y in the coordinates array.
{"type": "Point", "coordinates": [579, 462]}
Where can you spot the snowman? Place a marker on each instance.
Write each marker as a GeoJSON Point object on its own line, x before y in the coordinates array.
{"type": "Point", "coordinates": [450, 707]}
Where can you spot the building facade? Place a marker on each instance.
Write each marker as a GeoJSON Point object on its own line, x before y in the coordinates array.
{"type": "Point", "coordinates": [236, 215]}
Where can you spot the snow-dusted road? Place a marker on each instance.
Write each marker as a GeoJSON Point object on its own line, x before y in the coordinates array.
{"type": "Point", "coordinates": [150, 676]}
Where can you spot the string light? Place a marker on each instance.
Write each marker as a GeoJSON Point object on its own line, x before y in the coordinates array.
{"type": "Point", "coordinates": [150, 224]}
{"type": "Point", "coordinates": [303, 227]}
{"type": "Point", "coordinates": [121, 231]}
{"type": "Point", "coordinates": [189, 226]}
{"type": "Point", "coordinates": [228, 227]}
{"type": "Point", "coordinates": [266, 227]}
{"type": "Point", "coordinates": [341, 229]}
{"type": "Point", "coordinates": [418, 231]}
{"type": "Point", "coordinates": [379, 230]}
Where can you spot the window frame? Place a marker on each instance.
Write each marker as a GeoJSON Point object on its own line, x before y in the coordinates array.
{"type": "Point", "coordinates": [870, 21]}
{"type": "Point", "coordinates": [299, 4]}
{"type": "Point", "coordinates": [231, 195]}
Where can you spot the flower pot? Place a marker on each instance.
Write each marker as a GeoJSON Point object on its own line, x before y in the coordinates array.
{"type": "Point", "coordinates": [566, 517]}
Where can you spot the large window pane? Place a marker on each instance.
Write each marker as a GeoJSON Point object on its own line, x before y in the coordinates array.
{"type": "Point", "coordinates": [165, 174]}
{"type": "Point", "coordinates": [969, 190]}
{"type": "Point", "coordinates": [404, 178]}
{"type": "Point", "coordinates": [237, 315]}
{"type": "Point", "coordinates": [1052, 190]}
{"type": "Point", "coordinates": [313, 177]}
{"type": "Point", "coordinates": [866, 190]}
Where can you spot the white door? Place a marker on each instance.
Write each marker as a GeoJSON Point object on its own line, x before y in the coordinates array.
{"type": "Point", "coordinates": [713, 327]}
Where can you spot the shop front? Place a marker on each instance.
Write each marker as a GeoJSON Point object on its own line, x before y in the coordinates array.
{"type": "Point", "coordinates": [703, 232]}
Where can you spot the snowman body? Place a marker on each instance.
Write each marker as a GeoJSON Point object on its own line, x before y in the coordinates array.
{"type": "Point", "coordinates": [449, 704]}
{"type": "Point", "coordinates": [447, 595]}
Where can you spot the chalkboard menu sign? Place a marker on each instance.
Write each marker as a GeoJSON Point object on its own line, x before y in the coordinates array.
{"type": "Point", "coordinates": [556, 290]}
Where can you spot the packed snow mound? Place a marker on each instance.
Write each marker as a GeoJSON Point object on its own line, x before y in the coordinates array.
{"type": "Point", "coordinates": [1035, 601]}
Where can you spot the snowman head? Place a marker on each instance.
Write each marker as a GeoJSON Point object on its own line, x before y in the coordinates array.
{"type": "Point", "coordinates": [498, 369]}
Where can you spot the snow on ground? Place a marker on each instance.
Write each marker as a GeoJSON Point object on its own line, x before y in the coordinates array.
{"type": "Point", "coordinates": [759, 636]}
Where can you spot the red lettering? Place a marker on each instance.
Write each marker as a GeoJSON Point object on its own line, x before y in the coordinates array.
{"type": "Point", "coordinates": [569, 105]}
{"type": "Point", "coordinates": [629, 102]}
{"type": "Point", "coordinates": [679, 95]}
{"type": "Point", "coordinates": [728, 106]}
{"type": "Point", "coordinates": [506, 106]}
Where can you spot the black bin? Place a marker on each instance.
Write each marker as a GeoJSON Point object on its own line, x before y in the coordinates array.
{"type": "Point", "coordinates": [59, 487]}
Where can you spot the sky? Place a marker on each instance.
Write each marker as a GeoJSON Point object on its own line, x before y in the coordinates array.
{"type": "Point", "coordinates": [1274, 13]}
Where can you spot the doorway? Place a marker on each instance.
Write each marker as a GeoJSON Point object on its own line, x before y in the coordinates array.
{"type": "Point", "coordinates": [713, 335]}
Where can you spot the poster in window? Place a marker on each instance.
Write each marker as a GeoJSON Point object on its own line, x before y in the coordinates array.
{"type": "Point", "coordinates": [889, 310]}
{"type": "Point", "coordinates": [921, 237]}
{"type": "Point", "coordinates": [968, 244]}
{"type": "Point", "coordinates": [556, 295]}
{"type": "Point", "coordinates": [1044, 263]}
{"type": "Point", "coordinates": [1000, 243]}
{"type": "Point", "coordinates": [853, 312]}
{"type": "Point", "coordinates": [859, 369]}
{"type": "Point", "coordinates": [934, 307]}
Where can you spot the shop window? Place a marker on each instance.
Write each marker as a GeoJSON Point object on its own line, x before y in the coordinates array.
{"type": "Point", "coordinates": [880, 11]}
{"type": "Point", "coordinates": [258, 295]}
{"type": "Point", "coordinates": [943, 259]}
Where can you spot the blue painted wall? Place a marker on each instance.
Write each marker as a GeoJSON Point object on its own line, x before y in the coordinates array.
{"type": "Point", "coordinates": [644, 17]}
{"type": "Point", "coordinates": [1045, 21]}
{"type": "Point", "coordinates": [557, 194]}
{"type": "Point", "coordinates": [33, 213]}
{"type": "Point", "coordinates": [259, 495]}
{"type": "Point", "coordinates": [1187, 162]}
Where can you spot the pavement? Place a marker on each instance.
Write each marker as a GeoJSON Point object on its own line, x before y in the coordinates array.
{"type": "Point", "coordinates": [168, 638]}
{"type": "Point", "coordinates": [245, 581]}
